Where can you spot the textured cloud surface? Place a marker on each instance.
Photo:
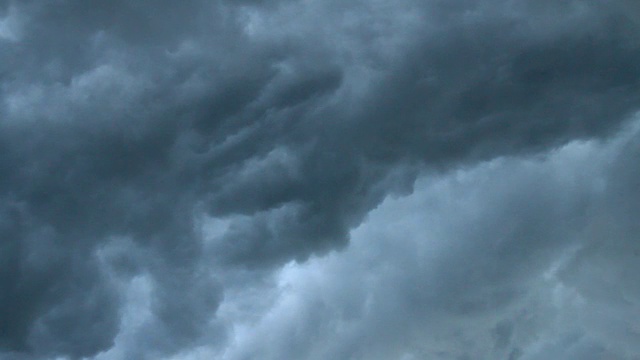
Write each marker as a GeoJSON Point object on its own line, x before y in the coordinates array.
{"type": "Point", "coordinates": [319, 179]}
{"type": "Point", "coordinates": [511, 259]}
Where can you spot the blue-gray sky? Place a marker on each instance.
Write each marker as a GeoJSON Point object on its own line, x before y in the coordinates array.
{"type": "Point", "coordinates": [319, 179]}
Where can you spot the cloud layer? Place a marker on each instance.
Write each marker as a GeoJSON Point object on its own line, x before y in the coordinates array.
{"type": "Point", "coordinates": [514, 258]}
{"type": "Point", "coordinates": [162, 162]}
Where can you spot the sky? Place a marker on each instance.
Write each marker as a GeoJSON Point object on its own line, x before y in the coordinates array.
{"type": "Point", "coordinates": [319, 179]}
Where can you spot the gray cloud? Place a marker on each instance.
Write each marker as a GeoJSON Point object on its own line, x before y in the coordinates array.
{"type": "Point", "coordinates": [127, 126]}
{"type": "Point", "coordinates": [501, 260]}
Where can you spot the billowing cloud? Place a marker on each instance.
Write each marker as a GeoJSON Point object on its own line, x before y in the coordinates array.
{"type": "Point", "coordinates": [159, 159]}
{"type": "Point", "coordinates": [514, 258]}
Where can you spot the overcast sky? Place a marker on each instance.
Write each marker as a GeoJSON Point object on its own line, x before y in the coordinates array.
{"type": "Point", "coordinates": [319, 179]}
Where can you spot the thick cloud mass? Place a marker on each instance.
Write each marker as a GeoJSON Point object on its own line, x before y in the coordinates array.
{"type": "Point", "coordinates": [511, 259]}
{"type": "Point", "coordinates": [166, 167]}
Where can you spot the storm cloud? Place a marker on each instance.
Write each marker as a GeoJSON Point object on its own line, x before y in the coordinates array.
{"type": "Point", "coordinates": [318, 179]}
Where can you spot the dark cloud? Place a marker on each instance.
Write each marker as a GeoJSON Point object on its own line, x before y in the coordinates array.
{"type": "Point", "coordinates": [127, 126]}
{"type": "Point", "coordinates": [463, 269]}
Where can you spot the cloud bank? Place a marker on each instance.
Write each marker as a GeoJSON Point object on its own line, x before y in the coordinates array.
{"type": "Point", "coordinates": [318, 179]}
